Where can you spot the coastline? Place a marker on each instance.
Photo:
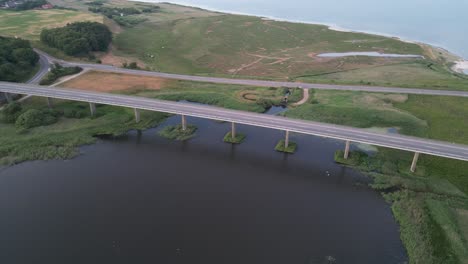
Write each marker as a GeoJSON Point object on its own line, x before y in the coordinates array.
{"type": "Point", "coordinates": [458, 61]}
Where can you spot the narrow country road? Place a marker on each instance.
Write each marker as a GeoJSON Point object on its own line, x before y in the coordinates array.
{"type": "Point", "coordinates": [378, 89]}
{"type": "Point", "coordinates": [44, 65]}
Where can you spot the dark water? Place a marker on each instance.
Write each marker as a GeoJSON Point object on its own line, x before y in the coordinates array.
{"type": "Point", "coordinates": [144, 199]}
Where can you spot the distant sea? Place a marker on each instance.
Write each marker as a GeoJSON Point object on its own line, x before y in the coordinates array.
{"type": "Point", "coordinates": [442, 23]}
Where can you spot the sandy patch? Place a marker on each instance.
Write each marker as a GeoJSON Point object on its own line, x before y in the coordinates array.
{"type": "Point", "coordinates": [109, 82]}
{"type": "Point", "coordinates": [110, 58]}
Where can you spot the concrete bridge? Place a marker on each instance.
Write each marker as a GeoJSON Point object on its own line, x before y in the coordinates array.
{"type": "Point", "coordinates": [347, 134]}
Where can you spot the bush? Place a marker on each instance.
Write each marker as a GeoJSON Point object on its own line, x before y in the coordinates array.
{"type": "Point", "coordinates": [72, 113]}
{"type": "Point", "coordinates": [131, 65]}
{"type": "Point", "coordinates": [11, 112]}
{"type": "Point", "coordinates": [58, 71]}
{"type": "Point", "coordinates": [34, 118]}
{"type": "Point", "coordinates": [265, 103]}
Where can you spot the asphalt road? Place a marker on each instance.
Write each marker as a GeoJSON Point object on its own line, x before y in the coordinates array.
{"type": "Point", "coordinates": [380, 89]}
{"type": "Point", "coordinates": [425, 146]}
{"type": "Point", "coordinates": [43, 70]}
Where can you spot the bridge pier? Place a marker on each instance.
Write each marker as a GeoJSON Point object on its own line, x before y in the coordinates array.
{"type": "Point", "coordinates": [233, 130]}
{"type": "Point", "coordinates": [8, 97]}
{"type": "Point", "coordinates": [184, 122]}
{"type": "Point", "coordinates": [49, 102]}
{"type": "Point", "coordinates": [92, 107]}
{"type": "Point", "coordinates": [137, 115]}
{"type": "Point", "coordinates": [415, 162]}
{"type": "Point", "coordinates": [286, 140]}
{"type": "Point", "coordinates": [346, 152]}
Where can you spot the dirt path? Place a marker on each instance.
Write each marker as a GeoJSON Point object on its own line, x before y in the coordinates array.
{"type": "Point", "coordinates": [305, 98]}
{"type": "Point", "coordinates": [68, 78]}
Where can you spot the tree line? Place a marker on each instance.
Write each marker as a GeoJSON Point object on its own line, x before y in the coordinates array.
{"type": "Point", "coordinates": [31, 4]}
{"type": "Point", "coordinates": [78, 39]}
{"type": "Point", "coordinates": [17, 59]}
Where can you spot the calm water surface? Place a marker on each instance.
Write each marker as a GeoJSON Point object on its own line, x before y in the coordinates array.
{"type": "Point", "coordinates": [144, 199]}
{"type": "Point", "coordinates": [439, 22]}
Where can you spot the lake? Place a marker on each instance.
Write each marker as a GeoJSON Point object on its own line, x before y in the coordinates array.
{"type": "Point", "coordinates": [144, 199]}
{"type": "Point", "coordinates": [438, 22]}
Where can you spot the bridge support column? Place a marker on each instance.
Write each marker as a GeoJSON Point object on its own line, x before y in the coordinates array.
{"type": "Point", "coordinates": [233, 130]}
{"type": "Point", "coordinates": [286, 140]}
{"type": "Point", "coordinates": [137, 115]}
{"type": "Point", "coordinates": [184, 123]}
{"type": "Point", "coordinates": [346, 152]}
{"type": "Point", "coordinates": [49, 102]}
{"type": "Point", "coordinates": [8, 97]}
{"type": "Point", "coordinates": [415, 162]}
{"type": "Point", "coordinates": [92, 107]}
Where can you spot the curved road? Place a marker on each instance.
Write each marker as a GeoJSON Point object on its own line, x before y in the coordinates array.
{"type": "Point", "coordinates": [425, 146]}
{"type": "Point", "coordinates": [379, 89]}
{"type": "Point", "coordinates": [44, 65]}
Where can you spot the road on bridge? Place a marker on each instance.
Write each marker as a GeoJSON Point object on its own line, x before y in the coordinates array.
{"type": "Point", "coordinates": [418, 145]}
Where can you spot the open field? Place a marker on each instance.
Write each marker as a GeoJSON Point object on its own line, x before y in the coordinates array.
{"type": "Point", "coordinates": [250, 46]}
{"type": "Point", "coordinates": [29, 24]}
{"type": "Point", "coordinates": [249, 98]}
{"type": "Point", "coordinates": [412, 74]}
{"type": "Point", "coordinates": [188, 40]}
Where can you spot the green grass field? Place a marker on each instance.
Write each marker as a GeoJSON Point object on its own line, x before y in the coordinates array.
{"type": "Point", "coordinates": [415, 74]}
{"type": "Point", "coordinates": [222, 44]}
{"type": "Point", "coordinates": [254, 99]}
{"type": "Point", "coordinates": [250, 47]}
{"type": "Point", "coordinates": [29, 24]}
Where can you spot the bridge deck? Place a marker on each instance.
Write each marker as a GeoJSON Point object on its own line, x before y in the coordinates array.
{"type": "Point", "coordinates": [395, 141]}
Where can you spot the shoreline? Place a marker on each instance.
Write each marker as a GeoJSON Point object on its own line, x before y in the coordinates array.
{"type": "Point", "coordinates": [330, 26]}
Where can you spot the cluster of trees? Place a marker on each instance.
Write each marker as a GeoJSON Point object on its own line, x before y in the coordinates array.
{"type": "Point", "coordinates": [78, 39]}
{"type": "Point", "coordinates": [123, 15]}
{"type": "Point", "coordinates": [58, 71]}
{"type": "Point", "coordinates": [17, 59]}
{"type": "Point", "coordinates": [31, 4]}
{"type": "Point", "coordinates": [26, 119]}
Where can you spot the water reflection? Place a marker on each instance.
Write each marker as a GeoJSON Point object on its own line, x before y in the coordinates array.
{"type": "Point", "coordinates": [145, 199]}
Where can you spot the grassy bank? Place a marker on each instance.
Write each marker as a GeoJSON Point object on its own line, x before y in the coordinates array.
{"type": "Point", "coordinates": [61, 139]}
{"type": "Point", "coordinates": [431, 211]}
{"type": "Point", "coordinates": [431, 204]}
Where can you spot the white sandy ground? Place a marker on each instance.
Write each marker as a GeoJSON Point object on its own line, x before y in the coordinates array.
{"type": "Point", "coordinates": [461, 66]}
